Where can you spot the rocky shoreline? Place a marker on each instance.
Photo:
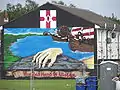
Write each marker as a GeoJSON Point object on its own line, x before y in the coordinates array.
{"type": "Point", "coordinates": [62, 62]}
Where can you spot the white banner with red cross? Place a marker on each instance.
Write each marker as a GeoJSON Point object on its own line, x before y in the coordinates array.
{"type": "Point", "coordinates": [48, 19]}
{"type": "Point", "coordinates": [88, 32]}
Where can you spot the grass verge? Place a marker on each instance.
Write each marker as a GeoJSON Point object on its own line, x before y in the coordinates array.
{"type": "Point", "coordinates": [38, 84]}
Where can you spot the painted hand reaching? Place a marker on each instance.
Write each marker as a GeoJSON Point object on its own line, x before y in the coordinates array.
{"type": "Point", "coordinates": [42, 58]}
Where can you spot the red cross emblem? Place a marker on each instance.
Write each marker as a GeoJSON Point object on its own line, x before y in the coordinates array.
{"type": "Point", "coordinates": [48, 18]}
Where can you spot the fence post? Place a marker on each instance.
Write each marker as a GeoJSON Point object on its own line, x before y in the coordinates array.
{"type": "Point", "coordinates": [108, 70]}
{"type": "Point", "coordinates": [31, 77]}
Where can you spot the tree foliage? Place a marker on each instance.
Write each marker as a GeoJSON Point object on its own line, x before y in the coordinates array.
{"type": "Point", "coordinates": [62, 3]}
{"type": "Point", "coordinates": [15, 11]}
{"type": "Point", "coordinates": [55, 2]}
{"type": "Point", "coordinates": [72, 5]}
{"type": "Point", "coordinates": [113, 18]}
{"type": "Point", "coordinates": [1, 12]}
{"type": "Point", "coordinates": [30, 5]}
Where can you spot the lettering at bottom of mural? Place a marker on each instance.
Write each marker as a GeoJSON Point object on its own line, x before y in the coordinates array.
{"type": "Point", "coordinates": [62, 48]}
{"type": "Point", "coordinates": [43, 74]}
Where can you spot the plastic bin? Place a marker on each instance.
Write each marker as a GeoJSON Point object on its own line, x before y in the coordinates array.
{"type": "Point", "coordinates": [91, 87]}
{"type": "Point", "coordinates": [80, 83]}
{"type": "Point", "coordinates": [80, 87]}
{"type": "Point", "coordinates": [91, 83]}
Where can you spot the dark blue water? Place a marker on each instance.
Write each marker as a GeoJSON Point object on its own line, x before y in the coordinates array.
{"type": "Point", "coordinates": [31, 45]}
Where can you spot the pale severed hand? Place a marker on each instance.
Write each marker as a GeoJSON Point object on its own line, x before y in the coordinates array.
{"type": "Point", "coordinates": [41, 58]}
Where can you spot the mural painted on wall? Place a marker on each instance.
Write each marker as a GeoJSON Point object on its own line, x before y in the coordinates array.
{"type": "Point", "coordinates": [60, 48]}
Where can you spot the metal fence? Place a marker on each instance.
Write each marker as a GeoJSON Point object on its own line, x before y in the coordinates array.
{"type": "Point", "coordinates": [33, 78]}
{"type": "Point", "coordinates": [14, 78]}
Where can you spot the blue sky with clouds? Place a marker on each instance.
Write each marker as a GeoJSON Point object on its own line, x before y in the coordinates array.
{"type": "Point", "coordinates": [102, 7]}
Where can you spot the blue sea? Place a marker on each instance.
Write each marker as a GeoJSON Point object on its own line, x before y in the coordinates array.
{"type": "Point", "coordinates": [31, 45]}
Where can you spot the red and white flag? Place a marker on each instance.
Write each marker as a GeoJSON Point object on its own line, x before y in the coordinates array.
{"type": "Point", "coordinates": [88, 33]}
{"type": "Point", "coordinates": [48, 19]}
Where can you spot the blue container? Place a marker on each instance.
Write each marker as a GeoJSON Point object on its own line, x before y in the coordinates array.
{"type": "Point", "coordinates": [82, 87]}
{"type": "Point", "coordinates": [91, 83]}
{"type": "Point", "coordinates": [92, 87]}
